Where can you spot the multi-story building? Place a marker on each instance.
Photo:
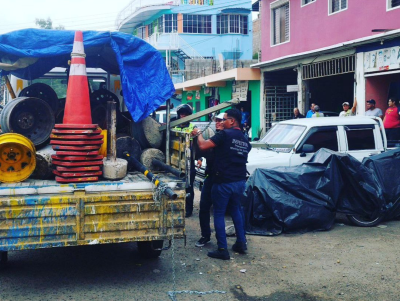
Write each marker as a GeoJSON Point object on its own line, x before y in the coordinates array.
{"type": "Point", "coordinates": [186, 29]}
{"type": "Point", "coordinates": [327, 52]}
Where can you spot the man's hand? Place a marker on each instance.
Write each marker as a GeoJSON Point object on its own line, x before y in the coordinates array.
{"type": "Point", "coordinates": [199, 163]}
{"type": "Point", "coordinates": [195, 132]}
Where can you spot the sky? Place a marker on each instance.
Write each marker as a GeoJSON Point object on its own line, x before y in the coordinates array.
{"type": "Point", "coordinates": [72, 14]}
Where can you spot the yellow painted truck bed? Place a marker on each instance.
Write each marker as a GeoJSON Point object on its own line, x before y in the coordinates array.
{"type": "Point", "coordinates": [43, 214]}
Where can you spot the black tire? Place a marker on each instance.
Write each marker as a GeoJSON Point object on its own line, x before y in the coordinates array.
{"type": "Point", "coordinates": [147, 249]}
{"type": "Point", "coordinates": [361, 221]}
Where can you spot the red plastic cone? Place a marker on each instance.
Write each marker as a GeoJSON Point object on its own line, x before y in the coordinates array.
{"type": "Point", "coordinates": [77, 104]}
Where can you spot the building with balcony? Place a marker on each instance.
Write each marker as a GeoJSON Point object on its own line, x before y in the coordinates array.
{"type": "Point", "coordinates": [191, 29]}
{"type": "Point", "coordinates": [327, 52]}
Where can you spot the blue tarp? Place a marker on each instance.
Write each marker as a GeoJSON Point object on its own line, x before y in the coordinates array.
{"type": "Point", "coordinates": [146, 83]}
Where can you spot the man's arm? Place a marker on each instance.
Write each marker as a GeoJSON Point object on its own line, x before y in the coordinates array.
{"type": "Point", "coordinates": [353, 109]}
{"type": "Point", "coordinates": [201, 142]}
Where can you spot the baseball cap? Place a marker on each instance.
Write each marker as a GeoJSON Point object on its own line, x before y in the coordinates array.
{"type": "Point", "coordinates": [220, 116]}
{"type": "Point", "coordinates": [371, 101]}
{"type": "Point", "coordinates": [345, 104]}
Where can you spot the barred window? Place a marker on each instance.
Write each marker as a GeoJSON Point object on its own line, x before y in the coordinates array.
{"type": "Point", "coordinates": [280, 24]}
{"type": "Point", "coordinates": [304, 2]}
{"type": "Point", "coordinates": [196, 23]}
{"type": "Point", "coordinates": [141, 32]}
{"type": "Point", "coordinates": [170, 23]}
{"type": "Point", "coordinates": [337, 5]}
{"type": "Point", "coordinates": [393, 3]}
{"type": "Point", "coordinates": [232, 24]}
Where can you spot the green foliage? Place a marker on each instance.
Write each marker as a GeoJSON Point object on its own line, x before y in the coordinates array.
{"type": "Point", "coordinates": [47, 24]}
{"type": "Point", "coordinates": [255, 56]}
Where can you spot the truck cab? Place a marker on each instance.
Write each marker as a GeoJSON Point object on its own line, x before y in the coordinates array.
{"type": "Point", "coordinates": [293, 142]}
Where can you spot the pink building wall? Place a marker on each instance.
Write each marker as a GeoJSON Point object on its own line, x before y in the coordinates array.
{"type": "Point", "coordinates": [311, 27]}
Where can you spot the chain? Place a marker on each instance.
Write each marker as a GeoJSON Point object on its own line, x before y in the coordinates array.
{"type": "Point", "coordinates": [200, 132]}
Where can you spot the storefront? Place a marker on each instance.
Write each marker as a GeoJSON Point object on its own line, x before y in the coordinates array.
{"type": "Point", "coordinates": [239, 83]}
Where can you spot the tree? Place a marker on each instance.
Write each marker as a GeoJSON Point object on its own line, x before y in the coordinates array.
{"type": "Point", "coordinates": [47, 24]}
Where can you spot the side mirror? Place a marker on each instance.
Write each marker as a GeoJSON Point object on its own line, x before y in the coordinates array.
{"type": "Point", "coordinates": [307, 148]}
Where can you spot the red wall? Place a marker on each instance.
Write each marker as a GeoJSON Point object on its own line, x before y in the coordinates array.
{"type": "Point", "coordinates": [377, 87]}
{"type": "Point", "coordinates": [311, 27]}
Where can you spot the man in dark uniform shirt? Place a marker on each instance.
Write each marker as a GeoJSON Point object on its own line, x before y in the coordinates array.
{"type": "Point", "coordinates": [231, 151]}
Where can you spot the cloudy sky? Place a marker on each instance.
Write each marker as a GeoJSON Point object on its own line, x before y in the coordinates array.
{"type": "Point", "coordinates": [72, 14]}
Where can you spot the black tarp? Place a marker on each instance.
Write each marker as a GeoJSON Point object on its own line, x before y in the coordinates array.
{"type": "Point", "coordinates": [307, 197]}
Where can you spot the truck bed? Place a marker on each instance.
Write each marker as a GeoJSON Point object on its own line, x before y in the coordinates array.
{"type": "Point", "coordinates": [41, 214]}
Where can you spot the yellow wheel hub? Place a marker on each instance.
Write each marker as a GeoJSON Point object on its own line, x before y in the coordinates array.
{"type": "Point", "coordinates": [17, 158]}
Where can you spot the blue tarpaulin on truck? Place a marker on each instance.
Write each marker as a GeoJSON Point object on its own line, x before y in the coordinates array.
{"type": "Point", "coordinates": [146, 84]}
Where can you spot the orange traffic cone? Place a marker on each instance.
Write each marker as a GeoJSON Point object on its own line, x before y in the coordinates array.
{"type": "Point", "coordinates": [77, 103]}
{"type": "Point", "coordinates": [77, 141]}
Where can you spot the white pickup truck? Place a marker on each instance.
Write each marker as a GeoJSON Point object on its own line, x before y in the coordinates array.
{"type": "Point", "coordinates": [293, 142]}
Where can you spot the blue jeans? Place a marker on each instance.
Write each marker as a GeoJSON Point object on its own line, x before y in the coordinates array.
{"type": "Point", "coordinates": [205, 206]}
{"type": "Point", "coordinates": [226, 196]}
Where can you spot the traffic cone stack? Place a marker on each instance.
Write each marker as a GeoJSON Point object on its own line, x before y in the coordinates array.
{"type": "Point", "coordinates": [77, 141]}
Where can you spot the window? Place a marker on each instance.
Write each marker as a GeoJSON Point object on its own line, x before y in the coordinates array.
{"type": "Point", "coordinates": [323, 138]}
{"type": "Point", "coordinates": [305, 2]}
{"type": "Point", "coordinates": [141, 32]}
{"type": "Point", "coordinates": [170, 23]}
{"type": "Point", "coordinates": [196, 24]}
{"type": "Point", "coordinates": [360, 138]}
{"type": "Point", "coordinates": [232, 24]}
{"type": "Point", "coordinates": [393, 4]}
{"type": "Point", "coordinates": [280, 23]}
{"type": "Point", "coordinates": [337, 5]}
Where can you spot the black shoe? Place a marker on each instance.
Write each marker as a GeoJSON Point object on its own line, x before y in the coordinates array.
{"type": "Point", "coordinates": [219, 254]}
{"type": "Point", "coordinates": [202, 241]}
{"type": "Point", "coordinates": [240, 247]}
{"type": "Point", "coordinates": [188, 214]}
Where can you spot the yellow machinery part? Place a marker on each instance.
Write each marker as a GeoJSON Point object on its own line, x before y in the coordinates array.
{"type": "Point", "coordinates": [103, 148]}
{"type": "Point", "coordinates": [17, 158]}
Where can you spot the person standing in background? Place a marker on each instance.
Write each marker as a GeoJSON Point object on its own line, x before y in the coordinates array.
{"type": "Point", "coordinates": [297, 114]}
{"type": "Point", "coordinates": [317, 112]}
{"type": "Point", "coordinates": [311, 111]}
{"type": "Point", "coordinates": [346, 109]}
{"type": "Point", "coordinates": [391, 121]}
{"type": "Point", "coordinates": [372, 110]}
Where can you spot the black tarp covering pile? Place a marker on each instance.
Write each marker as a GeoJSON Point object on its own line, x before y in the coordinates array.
{"type": "Point", "coordinates": [307, 197]}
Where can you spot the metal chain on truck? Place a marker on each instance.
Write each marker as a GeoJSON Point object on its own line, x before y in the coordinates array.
{"type": "Point", "coordinates": [172, 294]}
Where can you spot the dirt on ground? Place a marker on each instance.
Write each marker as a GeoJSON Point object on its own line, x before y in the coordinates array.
{"type": "Point", "coordinates": [345, 263]}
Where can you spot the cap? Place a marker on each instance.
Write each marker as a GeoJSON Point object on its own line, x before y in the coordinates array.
{"type": "Point", "coordinates": [220, 116]}
{"type": "Point", "coordinates": [316, 108]}
{"type": "Point", "coordinates": [345, 104]}
{"type": "Point", "coordinates": [371, 101]}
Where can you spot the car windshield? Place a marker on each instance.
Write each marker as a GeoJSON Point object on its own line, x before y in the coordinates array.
{"type": "Point", "coordinates": [287, 134]}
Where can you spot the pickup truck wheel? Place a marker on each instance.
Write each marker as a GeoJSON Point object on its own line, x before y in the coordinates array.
{"type": "Point", "coordinates": [148, 249]}
{"type": "Point", "coordinates": [361, 221]}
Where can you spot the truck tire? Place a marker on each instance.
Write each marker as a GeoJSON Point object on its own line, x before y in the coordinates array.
{"type": "Point", "coordinates": [361, 221]}
{"type": "Point", "coordinates": [147, 249]}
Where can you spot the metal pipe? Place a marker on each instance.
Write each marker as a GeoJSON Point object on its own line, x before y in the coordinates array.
{"type": "Point", "coordinates": [140, 167]}
{"type": "Point", "coordinates": [9, 87]}
{"type": "Point", "coordinates": [168, 168]}
{"type": "Point", "coordinates": [167, 134]}
{"type": "Point", "coordinates": [111, 131]}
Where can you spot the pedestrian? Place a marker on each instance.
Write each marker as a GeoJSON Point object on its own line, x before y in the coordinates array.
{"type": "Point", "coordinates": [311, 111]}
{"type": "Point", "coordinates": [182, 111]}
{"type": "Point", "coordinates": [245, 116]}
{"type": "Point", "coordinates": [346, 109]}
{"type": "Point", "coordinates": [372, 110]}
{"type": "Point", "coordinates": [317, 113]}
{"type": "Point", "coordinates": [231, 151]}
{"type": "Point", "coordinates": [297, 114]}
{"type": "Point", "coordinates": [391, 121]}
{"type": "Point", "coordinates": [205, 198]}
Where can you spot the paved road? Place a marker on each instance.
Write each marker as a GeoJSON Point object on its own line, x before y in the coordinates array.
{"type": "Point", "coordinates": [346, 263]}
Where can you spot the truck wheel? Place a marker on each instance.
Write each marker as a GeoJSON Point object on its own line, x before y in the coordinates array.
{"type": "Point", "coordinates": [148, 249]}
{"type": "Point", "coordinates": [361, 221]}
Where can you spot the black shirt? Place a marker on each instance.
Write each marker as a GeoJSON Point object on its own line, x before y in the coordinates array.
{"type": "Point", "coordinates": [231, 152]}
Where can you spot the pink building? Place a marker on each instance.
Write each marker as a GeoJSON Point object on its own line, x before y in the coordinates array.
{"type": "Point", "coordinates": [321, 51]}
